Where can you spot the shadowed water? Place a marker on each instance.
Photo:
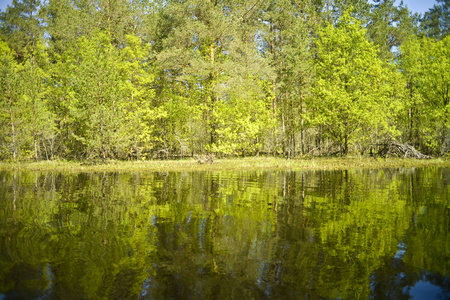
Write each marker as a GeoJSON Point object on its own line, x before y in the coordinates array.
{"type": "Point", "coordinates": [226, 235]}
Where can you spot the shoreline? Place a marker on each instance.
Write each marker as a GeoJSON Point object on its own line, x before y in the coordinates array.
{"type": "Point", "coordinates": [227, 164]}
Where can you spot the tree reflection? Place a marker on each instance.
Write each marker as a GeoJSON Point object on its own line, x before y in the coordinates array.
{"type": "Point", "coordinates": [340, 234]}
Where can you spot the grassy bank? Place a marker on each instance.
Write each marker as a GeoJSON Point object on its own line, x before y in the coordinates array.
{"type": "Point", "coordinates": [236, 164]}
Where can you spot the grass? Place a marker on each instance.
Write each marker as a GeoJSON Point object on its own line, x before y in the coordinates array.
{"type": "Point", "coordinates": [229, 164]}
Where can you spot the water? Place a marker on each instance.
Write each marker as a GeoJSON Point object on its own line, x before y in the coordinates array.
{"type": "Point", "coordinates": [226, 235]}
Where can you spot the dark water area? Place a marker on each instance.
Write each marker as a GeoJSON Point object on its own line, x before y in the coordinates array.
{"type": "Point", "coordinates": [358, 234]}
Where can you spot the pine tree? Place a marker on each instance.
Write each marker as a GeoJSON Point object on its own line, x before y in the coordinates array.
{"type": "Point", "coordinates": [288, 44]}
{"type": "Point", "coordinates": [9, 96]}
{"type": "Point", "coordinates": [390, 26]}
{"type": "Point", "coordinates": [436, 21]}
{"type": "Point", "coordinates": [20, 26]}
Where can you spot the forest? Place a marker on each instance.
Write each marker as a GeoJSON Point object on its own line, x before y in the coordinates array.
{"type": "Point", "coordinates": [151, 79]}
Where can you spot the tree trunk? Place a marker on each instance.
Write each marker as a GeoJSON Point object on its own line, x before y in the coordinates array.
{"type": "Point", "coordinates": [284, 126]}
{"type": "Point", "coordinates": [102, 143]}
{"type": "Point", "coordinates": [411, 114]}
{"type": "Point", "coordinates": [34, 112]}
{"type": "Point", "coordinates": [301, 124]}
{"type": "Point", "coordinates": [293, 127]}
{"type": "Point", "coordinates": [346, 144]}
{"type": "Point", "coordinates": [34, 133]}
{"type": "Point", "coordinates": [12, 122]}
{"type": "Point", "coordinates": [212, 56]}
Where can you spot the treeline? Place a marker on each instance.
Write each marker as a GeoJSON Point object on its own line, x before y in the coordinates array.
{"type": "Point", "coordinates": [141, 79]}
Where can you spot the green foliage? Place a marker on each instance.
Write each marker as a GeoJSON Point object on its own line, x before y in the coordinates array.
{"type": "Point", "coordinates": [25, 110]}
{"type": "Point", "coordinates": [9, 82]}
{"type": "Point", "coordinates": [138, 110]}
{"type": "Point", "coordinates": [390, 26]}
{"type": "Point", "coordinates": [242, 120]}
{"type": "Point", "coordinates": [424, 63]}
{"type": "Point", "coordinates": [98, 99]}
{"type": "Point", "coordinates": [289, 35]}
{"type": "Point", "coordinates": [436, 21]}
{"type": "Point", "coordinates": [21, 26]}
{"type": "Point", "coordinates": [106, 79]}
{"type": "Point", "coordinates": [352, 100]}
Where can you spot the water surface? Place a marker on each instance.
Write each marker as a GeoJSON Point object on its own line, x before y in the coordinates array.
{"type": "Point", "coordinates": [357, 234]}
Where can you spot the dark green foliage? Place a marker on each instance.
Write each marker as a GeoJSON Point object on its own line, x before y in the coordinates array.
{"type": "Point", "coordinates": [389, 26]}
{"type": "Point", "coordinates": [21, 27]}
{"type": "Point", "coordinates": [436, 21]}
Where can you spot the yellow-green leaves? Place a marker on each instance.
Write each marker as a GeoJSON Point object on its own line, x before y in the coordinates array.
{"type": "Point", "coordinates": [425, 64]}
{"type": "Point", "coordinates": [352, 102]}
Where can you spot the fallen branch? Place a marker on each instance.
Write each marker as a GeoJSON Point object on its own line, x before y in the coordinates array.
{"type": "Point", "coordinates": [400, 150]}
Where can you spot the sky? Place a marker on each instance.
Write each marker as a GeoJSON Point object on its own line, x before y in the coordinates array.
{"type": "Point", "coordinates": [419, 6]}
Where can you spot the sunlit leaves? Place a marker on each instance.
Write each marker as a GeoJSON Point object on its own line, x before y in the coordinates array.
{"type": "Point", "coordinates": [350, 87]}
{"type": "Point", "coordinates": [425, 65]}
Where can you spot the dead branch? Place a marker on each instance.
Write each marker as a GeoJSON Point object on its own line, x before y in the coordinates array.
{"type": "Point", "coordinates": [400, 150]}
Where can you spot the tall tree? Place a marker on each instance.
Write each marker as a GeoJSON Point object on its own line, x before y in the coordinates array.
{"type": "Point", "coordinates": [435, 78]}
{"type": "Point", "coordinates": [360, 9]}
{"type": "Point", "coordinates": [288, 44]}
{"type": "Point", "coordinates": [208, 49]}
{"type": "Point", "coordinates": [9, 98]}
{"type": "Point", "coordinates": [390, 25]}
{"type": "Point", "coordinates": [40, 120]}
{"type": "Point", "coordinates": [436, 21]}
{"type": "Point", "coordinates": [195, 53]}
{"type": "Point", "coordinates": [350, 86]}
{"type": "Point", "coordinates": [30, 124]}
{"type": "Point", "coordinates": [244, 114]}
{"type": "Point", "coordinates": [97, 98]}
{"type": "Point", "coordinates": [410, 62]}
{"type": "Point", "coordinates": [67, 20]}
{"type": "Point", "coordinates": [138, 107]}
{"type": "Point", "coordinates": [20, 26]}
{"type": "Point", "coordinates": [425, 64]}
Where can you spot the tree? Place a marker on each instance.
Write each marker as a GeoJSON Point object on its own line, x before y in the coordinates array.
{"type": "Point", "coordinates": [243, 115]}
{"type": "Point", "coordinates": [436, 21]}
{"type": "Point", "coordinates": [390, 26]}
{"type": "Point", "coordinates": [97, 99]}
{"type": "Point", "coordinates": [40, 121]}
{"type": "Point", "coordinates": [435, 81]}
{"type": "Point", "coordinates": [68, 20]}
{"type": "Point", "coordinates": [194, 53]}
{"type": "Point", "coordinates": [410, 62]}
{"type": "Point", "coordinates": [138, 107]}
{"type": "Point", "coordinates": [425, 64]}
{"type": "Point", "coordinates": [361, 9]}
{"type": "Point", "coordinates": [351, 84]}
{"type": "Point", "coordinates": [20, 26]}
{"type": "Point", "coordinates": [24, 105]}
{"type": "Point", "coordinates": [244, 119]}
{"type": "Point", "coordinates": [288, 43]}
{"type": "Point", "coordinates": [207, 51]}
{"type": "Point", "coordinates": [9, 100]}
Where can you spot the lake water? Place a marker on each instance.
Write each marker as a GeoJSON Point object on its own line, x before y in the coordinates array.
{"type": "Point", "coordinates": [358, 234]}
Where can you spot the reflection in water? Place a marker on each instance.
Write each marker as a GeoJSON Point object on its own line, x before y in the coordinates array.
{"type": "Point", "coordinates": [257, 235]}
